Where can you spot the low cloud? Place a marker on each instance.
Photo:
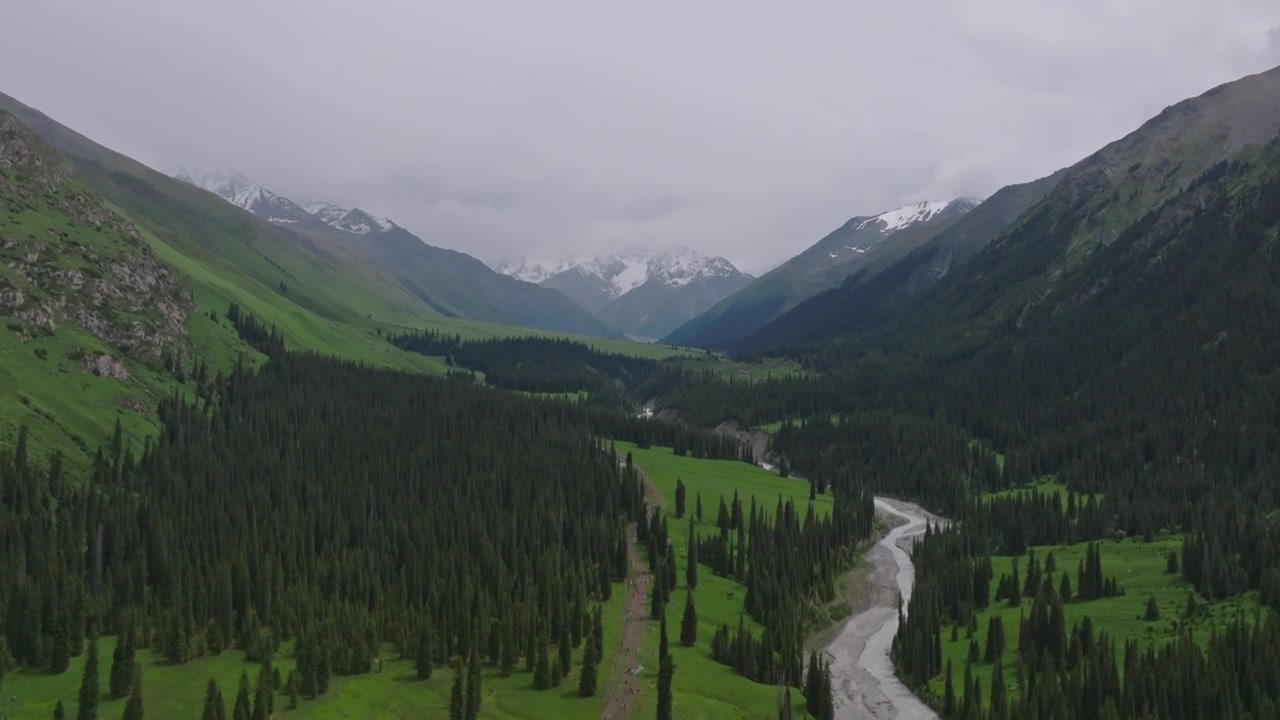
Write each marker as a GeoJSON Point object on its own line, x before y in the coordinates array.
{"type": "Point", "coordinates": [572, 127]}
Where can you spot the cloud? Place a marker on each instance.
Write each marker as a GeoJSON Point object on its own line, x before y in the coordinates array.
{"type": "Point", "coordinates": [568, 127]}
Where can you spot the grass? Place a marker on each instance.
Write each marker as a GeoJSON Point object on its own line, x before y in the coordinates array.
{"type": "Point", "coordinates": [176, 691]}
{"type": "Point", "coordinates": [1139, 568]}
{"type": "Point", "coordinates": [703, 688]}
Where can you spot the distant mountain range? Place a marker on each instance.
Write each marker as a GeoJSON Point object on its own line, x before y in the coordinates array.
{"type": "Point", "coordinates": [451, 283]}
{"type": "Point", "coordinates": [864, 241]}
{"type": "Point", "coordinates": [644, 294]}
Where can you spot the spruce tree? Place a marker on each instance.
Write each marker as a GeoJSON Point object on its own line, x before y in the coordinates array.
{"type": "Point", "coordinates": [473, 686]}
{"type": "Point", "coordinates": [949, 694]}
{"type": "Point", "coordinates": [689, 622]}
{"type": "Point", "coordinates": [565, 649]}
{"type": "Point", "coordinates": [666, 669]}
{"type": "Point", "coordinates": [587, 672]}
{"type": "Point", "coordinates": [784, 708]}
{"type": "Point", "coordinates": [59, 712]}
{"type": "Point", "coordinates": [243, 709]}
{"type": "Point", "coordinates": [89, 690]}
{"type": "Point", "coordinates": [422, 658]}
{"type": "Point", "coordinates": [697, 510]}
{"type": "Point", "coordinates": [213, 708]}
{"type": "Point", "coordinates": [542, 668]}
{"type": "Point", "coordinates": [680, 492]}
{"type": "Point", "coordinates": [60, 647]}
{"type": "Point", "coordinates": [691, 558]}
{"type": "Point", "coordinates": [133, 706]}
{"type": "Point", "coordinates": [458, 697]}
{"type": "Point", "coordinates": [122, 660]}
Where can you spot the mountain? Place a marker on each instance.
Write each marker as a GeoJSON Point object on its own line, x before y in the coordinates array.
{"type": "Point", "coordinates": [644, 294]}
{"type": "Point", "coordinates": [530, 270]}
{"type": "Point", "coordinates": [92, 318]}
{"type": "Point", "coordinates": [1054, 247]}
{"type": "Point", "coordinates": [866, 295]}
{"type": "Point", "coordinates": [678, 286]}
{"type": "Point", "coordinates": [864, 241]}
{"type": "Point", "coordinates": [451, 283]}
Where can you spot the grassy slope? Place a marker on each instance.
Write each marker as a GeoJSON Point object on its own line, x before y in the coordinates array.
{"type": "Point", "coordinates": [1138, 566]}
{"type": "Point", "coordinates": [704, 689]}
{"type": "Point", "coordinates": [175, 691]}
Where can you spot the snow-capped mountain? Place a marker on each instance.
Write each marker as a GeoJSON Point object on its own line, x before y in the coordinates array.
{"type": "Point", "coordinates": [642, 293]}
{"type": "Point", "coordinates": [244, 193]}
{"type": "Point", "coordinates": [856, 244]}
{"type": "Point", "coordinates": [530, 270]}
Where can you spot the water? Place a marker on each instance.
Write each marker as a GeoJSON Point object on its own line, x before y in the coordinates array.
{"type": "Point", "coordinates": [866, 686]}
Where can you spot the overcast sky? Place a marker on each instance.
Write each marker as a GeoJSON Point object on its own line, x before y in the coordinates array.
{"type": "Point", "coordinates": [561, 129]}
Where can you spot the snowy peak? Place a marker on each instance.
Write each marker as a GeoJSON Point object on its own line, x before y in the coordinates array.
{"type": "Point", "coordinates": [530, 270]}
{"type": "Point", "coordinates": [624, 272]}
{"type": "Point", "coordinates": [921, 212]}
{"type": "Point", "coordinates": [244, 193]}
{"type": "Point", "coordinates": [681, 267]}
{"type": "Point", "coordinates": [362, 223]}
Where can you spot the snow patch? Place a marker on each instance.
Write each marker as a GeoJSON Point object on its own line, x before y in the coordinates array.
{"type": "Point", "coordinates": [895, 220]}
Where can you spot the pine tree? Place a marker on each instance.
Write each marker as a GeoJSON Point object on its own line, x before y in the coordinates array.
{"type": "Point", "coordinates": [541, 669]}
{"type": "Point", "coordinates": [422, 659]}
{"type": "Point", "coordinates": [89, 691]}
{"type": "Point", "coordinates": [1064, 588]}
{"type": "Point", "coordinates": [213, 707]}
{"type": "Point", "coordinates": [697, 511]}
{"type": "Point", "coordinates": [457, 698]}
{"type": "Point", "coordinates": [691, 558]}
{"type": "Point", "coordinates": [565, 649]}
{"type": "Point", "coordinates": [1153, 610]}
{"type": "Point", "coordinates": [680, 492]}
{"type": "Point", "coordinates": [813, 684]}
{"type": "Point", "coordinates": [784, 709]}
{"type": "Point", "coordinates": [133, 706]}
{"type": "Point", "coordinates": [666, 669]}
{"type": "Point", "coordinates": [59, 712]}
{"type": "Point", "coordinates": [587, 672]}
{"type": "Point", "coordinates": [949, 694]}
{"type": "Point", "coordinates": [60, 646]}
{"type": "Point", "coordinates": [473, 686]}
{"type": "Point", "coordinates": [689, 622]}
{"type": "Point", "coordinates": [122, 660]}
{"type": "Point", "coordinates": [243, 709]}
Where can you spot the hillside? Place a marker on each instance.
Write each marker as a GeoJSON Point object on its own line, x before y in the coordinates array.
{"type": "Point", "coordinates": [862, 242]}
{"type": "Point", "coordinates": [866, 297]}
{"type": "Point", "coordinates": [448, 283]}
{"type": "Point", "coordinates": [96, 328]}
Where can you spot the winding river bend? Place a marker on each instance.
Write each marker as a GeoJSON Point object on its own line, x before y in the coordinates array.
{"type": "Point", "coordinates": [865, 685]}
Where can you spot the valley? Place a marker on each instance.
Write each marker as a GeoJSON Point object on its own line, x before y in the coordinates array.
{"type": "Point", "coordinates": [977, 458]}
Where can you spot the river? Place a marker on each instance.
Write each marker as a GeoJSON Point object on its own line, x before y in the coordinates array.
{"type": "Point", "coordinates": [862, 674]}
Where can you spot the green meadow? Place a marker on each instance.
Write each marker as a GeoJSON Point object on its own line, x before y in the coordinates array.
{"type": "Point", "coordinates": [1139, 568]}
{"type": "Point", "coordinates": [394, 692]}
{"type": "Point", "coordinates": [703, 688]}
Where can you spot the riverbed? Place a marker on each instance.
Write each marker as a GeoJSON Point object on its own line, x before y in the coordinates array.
{"type": "Point", "coordinates": [863, 679]}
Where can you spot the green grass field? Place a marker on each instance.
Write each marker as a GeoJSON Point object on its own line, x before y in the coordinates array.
{"type": "Point", "coordinates": [177, 691]}
{"type": "Point", "coordinates": [1139, 568]}
{"type": "Point", "coordinates": [703, 688]}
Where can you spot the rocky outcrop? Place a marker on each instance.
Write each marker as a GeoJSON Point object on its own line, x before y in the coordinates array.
{"type": "Point", "coordinates": [70, 259]}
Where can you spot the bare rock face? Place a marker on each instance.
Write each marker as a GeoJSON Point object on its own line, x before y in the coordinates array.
{"type": "Point", "coordinates": [106, 366]}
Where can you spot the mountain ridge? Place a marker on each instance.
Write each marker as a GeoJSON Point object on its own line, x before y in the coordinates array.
{"type": "Point", "coordinates": [860, 241]}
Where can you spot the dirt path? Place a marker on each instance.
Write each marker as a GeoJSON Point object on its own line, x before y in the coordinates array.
{"type": "Point", "coordinates": [624, 687]}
